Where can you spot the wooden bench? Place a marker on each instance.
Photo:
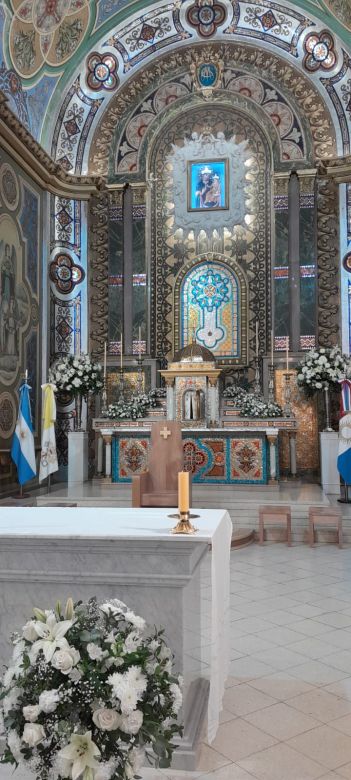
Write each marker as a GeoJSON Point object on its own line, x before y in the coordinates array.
{"type": "Point", "coordinates": [320, 515]}
{"type": "Point", "coordinates": [273, 515]}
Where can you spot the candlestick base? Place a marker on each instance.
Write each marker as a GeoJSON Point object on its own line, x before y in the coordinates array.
{"type": "Point", "coordinates": [184, 526]}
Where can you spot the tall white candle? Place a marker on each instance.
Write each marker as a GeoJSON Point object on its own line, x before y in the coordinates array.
{"type": "Point", "coordinates": [287, 354]}
{"type": "Point", "coordinates": [105, 359]}
{"type": "Point", "coordinates": [121, 350]}
{"type": "Point", "coordinates": [272, 347]}
{"type": "Point", "coordinates": [256, 338]}
{"type": "Point", "coordinates": [26, 376]}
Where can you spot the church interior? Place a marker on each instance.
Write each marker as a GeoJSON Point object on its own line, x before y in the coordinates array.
{"type": "Point", "coordinates": [175, 266]}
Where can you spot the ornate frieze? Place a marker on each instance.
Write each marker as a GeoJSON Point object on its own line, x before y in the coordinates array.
{"type": "Point", "coordinates": [98, 287]}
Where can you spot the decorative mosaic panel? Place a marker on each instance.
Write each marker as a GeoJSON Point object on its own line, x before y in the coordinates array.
{"type": "Point", "coordinates": [211, 459]}
{"type": "Point", "coordinates": [305, 410]}
{"type": "Point", "coordinates": [129, 458]}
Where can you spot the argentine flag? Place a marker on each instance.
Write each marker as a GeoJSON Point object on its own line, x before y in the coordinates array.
{"type": "Point", "coordinates": [22, 450]}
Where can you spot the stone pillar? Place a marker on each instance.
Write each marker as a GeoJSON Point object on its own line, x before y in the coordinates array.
{"type": "Point", "coordinates": [100, 455]}
{"type": "Point", "coordinates": [292, 447]}
{"type": "Point", "coordinates": [128, 271]}
{"type": "Point", "coordinates": [213, 401]}
{"type": "Point", "coordinates": [108, 458]}
{"type": "Point", "coordinates": [294, 262]}
{"type": "Point", "coordinates": [272, 438]}
{"type": "Point", "coordinates": [328, 261]}
{"type": "Point", "coordinates": [170, 399]}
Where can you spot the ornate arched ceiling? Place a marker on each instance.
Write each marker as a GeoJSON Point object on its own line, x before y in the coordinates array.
{"type": "Point", "coordinates": [300, 123]}
{"type": "Point", "coordinates": [46, 50]}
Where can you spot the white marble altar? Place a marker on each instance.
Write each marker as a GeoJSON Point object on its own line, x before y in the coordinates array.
{"type": "Point", "coordinates": [129, 554]}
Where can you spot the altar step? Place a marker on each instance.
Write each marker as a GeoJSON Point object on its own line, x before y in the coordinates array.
{"type": "Point", "coordinates": [242, 503]}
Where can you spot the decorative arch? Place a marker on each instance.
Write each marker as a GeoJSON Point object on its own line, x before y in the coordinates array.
{"type": "Point", "coordinates": [210, 300]}
{"type": "Point", "coordinates": [296, 89]}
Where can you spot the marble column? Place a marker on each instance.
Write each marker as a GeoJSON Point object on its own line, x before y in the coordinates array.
{"type": "Point", "coordinates": [213, 401]}
{"type": "Point", "coordinates": [170, 399]}
{"type": "Point", "coordinates": [108, 459]}
{"type": "Point", "coordinates": [100, 455]}
{"type": "Point", "coordinates": [272, 439]}
{"type": "Point", "coordinates": [292, 447]}
{"type": "Point", "coordinates": [294, 261]}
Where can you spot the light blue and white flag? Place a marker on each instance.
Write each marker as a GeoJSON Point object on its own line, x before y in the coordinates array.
{"type": "Point", "coordinates": [344, 455]}
{"type": "Point", "coordinates": [22, 450]}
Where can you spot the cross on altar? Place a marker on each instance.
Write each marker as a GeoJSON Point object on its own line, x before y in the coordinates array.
{"type": "Point", "coordinates": [165, 433]}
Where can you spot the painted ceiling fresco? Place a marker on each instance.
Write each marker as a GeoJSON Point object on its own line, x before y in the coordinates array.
{"type": "Point", "coordinates": [62, 61]}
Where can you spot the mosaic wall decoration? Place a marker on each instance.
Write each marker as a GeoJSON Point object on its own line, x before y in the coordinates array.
{"type": "Point", "coordinates": [305, 411]}
{"type": "Point", "coordinates": [65, 331]}
{"type": "Point", "coordinates": [65, 274]}
{"type": "Point", "coordinates": [319, 48]}
{"type": "Point", "coordinates": [20, 286]}
{"type": "Point", "coordinates": [211, 459]}
{"type": "Point", "coordinates": [247, 244]}
{"type": "Point", "coordinates": [210, 309]}
{"type": "Point", "coordinates": [74, 121]}
{"type": "Point", "coordinates": [206, 16]}
{"type": "Point", "coordinates": [341, 9]}
{"type": "Point", "coordinates": [45, 33]}
{"type": "Point", "coordinates": [102, 71]}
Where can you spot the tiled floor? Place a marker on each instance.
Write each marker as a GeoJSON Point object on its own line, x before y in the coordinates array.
{"type": "Point", "coordinates": [287, 706]}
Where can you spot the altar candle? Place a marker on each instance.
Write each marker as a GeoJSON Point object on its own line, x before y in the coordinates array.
{"type": "Point", "coordinates": [139, 348]}
{"type": "Point", "coordinates": [105, 358]}
{"type": "Point", "coordinates": [287, 354]}
{"type": "Point", "coordinates": [26, 376]}
{"type": "Point", "coordinates": [272, 347]}
{"type": "Point", "coordinates": [183, 491]}
{"type": "Point", "coordinates": [121, 350]}
{"type": "Point", "coordinates": [256, 338]}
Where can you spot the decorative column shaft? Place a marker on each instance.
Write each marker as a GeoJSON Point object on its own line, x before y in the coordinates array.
{"type": "Point", "coordinates": [328, 283]}
{"type": "Point", "coordinates": [128, 271]}
{"type": "Point", "coordinates": [100, 455]}
{"type": "Point", "coordinates": [108, 459]}
{"type": "Point", "coordinates": [294, 261]}
{"type": "Point", "coordinates": [213, 403]}
{"type": "Point", "coordinates": [292, 446]}
{"type": "Point", "coordinates": [272, 441]}
{"type": "Point", "coordinates": [170, 399]}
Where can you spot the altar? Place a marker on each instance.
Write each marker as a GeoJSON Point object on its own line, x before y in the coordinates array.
{"type": "Point", "coordinates": [46, 556]}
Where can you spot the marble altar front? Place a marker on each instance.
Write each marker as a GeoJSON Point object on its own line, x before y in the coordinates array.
{"type": "Point", "coordinates": [48, 555]}
{"type": "Point", "coordinates": [241, 452]}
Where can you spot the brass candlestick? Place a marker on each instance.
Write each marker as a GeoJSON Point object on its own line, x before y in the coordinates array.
{"type": "Point", "coordinates": [184, 526]}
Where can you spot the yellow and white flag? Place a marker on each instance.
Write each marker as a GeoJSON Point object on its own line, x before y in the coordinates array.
{"type": "Point", "coordinates": [48, 455]}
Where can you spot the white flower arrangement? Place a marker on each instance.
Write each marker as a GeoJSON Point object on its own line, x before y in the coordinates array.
{"type": "Point", "coordinates": [250, 405]}
{"type": "Point", "coordinates": [77, 374]}
{"type": "Point", "coordinates": [89, 694]}
{"type": "Point", "coordinates": [323, 368]}
{"type": "Point", "coordinates": [135, 407]}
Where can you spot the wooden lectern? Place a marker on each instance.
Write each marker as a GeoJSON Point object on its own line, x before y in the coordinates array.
{"type": "Point", "coordinates": [158, 486]}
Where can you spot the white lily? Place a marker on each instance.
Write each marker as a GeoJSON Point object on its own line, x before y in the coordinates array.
{"type": "Point", "coordinates": [52, 636]}
{"type": "Point", "coordinates": [81, 752]}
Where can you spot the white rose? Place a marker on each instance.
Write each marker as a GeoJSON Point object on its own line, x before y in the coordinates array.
{"type": "Point", "coordinates": [94, 651]}
{"type": "Point", "coordinates": [107, 720]}
{"type": "Point", "coordinates": [31, 712]}
{"type": "Point", "coordinates": [33, 733]}
{"type": "Point", "coordinates": [65, 660]}
{"type": "Point", "coordinates": [132, 723]}
{"type": "Point", "coordinates": [48, 700]}
{"type": "Point", "coordinates": [29, 631]}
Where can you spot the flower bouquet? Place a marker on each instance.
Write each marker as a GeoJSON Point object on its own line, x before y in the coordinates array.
{"type": "Point", "coordinates": [77, 374]}
{"type": "Point", "coordinates": [89, 694]}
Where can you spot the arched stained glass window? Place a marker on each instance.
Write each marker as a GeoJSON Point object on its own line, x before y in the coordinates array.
{"type": "Point", "coordinates": [210, 309]}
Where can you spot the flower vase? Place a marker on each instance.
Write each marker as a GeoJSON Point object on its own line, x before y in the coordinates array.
{"type": "Point", "coordinates": [78, 412]}
{"type": "Point", "coordinates": [327, 428]}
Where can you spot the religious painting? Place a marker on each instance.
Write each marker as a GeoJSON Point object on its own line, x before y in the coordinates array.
{"type": "Point", "coordinates": [208, 185]}
{"type": "Point", "coordinates": [14, 300]}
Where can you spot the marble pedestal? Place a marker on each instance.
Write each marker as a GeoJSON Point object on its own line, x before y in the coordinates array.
{"type": "Point", "coordinates": [77, 457]}
{"type": "Point", "coordinates": [48, 555]}
{"type": "Point", "coordinates": [330, 477]}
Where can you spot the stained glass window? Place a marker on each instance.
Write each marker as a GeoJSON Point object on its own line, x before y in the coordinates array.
{"type": "Point", "coordinates": [210, 309]}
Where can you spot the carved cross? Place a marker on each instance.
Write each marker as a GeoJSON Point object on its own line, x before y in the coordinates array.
{"type": "Point", "coordinates": [165, 433]}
